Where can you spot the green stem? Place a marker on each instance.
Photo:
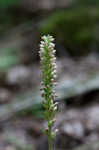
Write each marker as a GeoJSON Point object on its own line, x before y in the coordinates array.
{"type": "Point", "coordinates": [50, 142]}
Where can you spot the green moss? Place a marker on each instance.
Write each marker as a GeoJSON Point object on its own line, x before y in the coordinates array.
{"type": "Point", "coordinates": [77, 28]}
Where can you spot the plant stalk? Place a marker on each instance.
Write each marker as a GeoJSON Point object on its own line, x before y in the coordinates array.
{"type": "Point", "coordinates": [50, 143]}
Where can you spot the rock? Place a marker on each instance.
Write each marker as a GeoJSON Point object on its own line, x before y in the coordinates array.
{"type": "Point", "coordinates": [80, 126]}
{"type": "Point", "coordinates": [92, 114]}
{"type": "Point", "coordinates": [74, 129]}
{"type": "Point", "coordinates": [24, 77]}
{"type": "Point", "coordinates": [18, 75]}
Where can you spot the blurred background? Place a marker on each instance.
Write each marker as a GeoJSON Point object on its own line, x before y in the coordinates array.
{"type": "Point", "coordinates": [75, 26]}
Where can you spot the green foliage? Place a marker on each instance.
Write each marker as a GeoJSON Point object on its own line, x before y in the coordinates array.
{"type": "Point", "coordinates": [76, 28]}
{"type": "Point", "coordinates": [8, 58]}
{"type": "Point", "coordinates": [36, 111]}
{"type": "Point", "coordinates": [18, 142]}
{"type": "Point", "coordinates": [6, 3]}
{"type": "Point", "coordinates": [9, 16]}
{"type": "Point", "coordinates": [86, 2]}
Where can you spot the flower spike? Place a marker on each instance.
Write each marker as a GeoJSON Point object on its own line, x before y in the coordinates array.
{"type": "Point", "coordinates": [49, 75]}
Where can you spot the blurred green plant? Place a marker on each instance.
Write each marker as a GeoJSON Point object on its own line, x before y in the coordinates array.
{"type": "Point", "coordinates": [36, 111]}
{"type": "Point", "coordinates": [17, 142]}
{"type": "Point", "coordinates": [11, 15]}
{"type": "Point", "coordinates": [4, 4]}
{"type": "Point", "coordinates": [76, 28]}
{"type": "Point", "coordinates": [8, 58]}
{"type": "Point", "coordinates": [86, 2]}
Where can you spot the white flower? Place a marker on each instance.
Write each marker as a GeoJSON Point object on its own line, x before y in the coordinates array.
{"type": "Point", "coordinates": [41, 45]}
